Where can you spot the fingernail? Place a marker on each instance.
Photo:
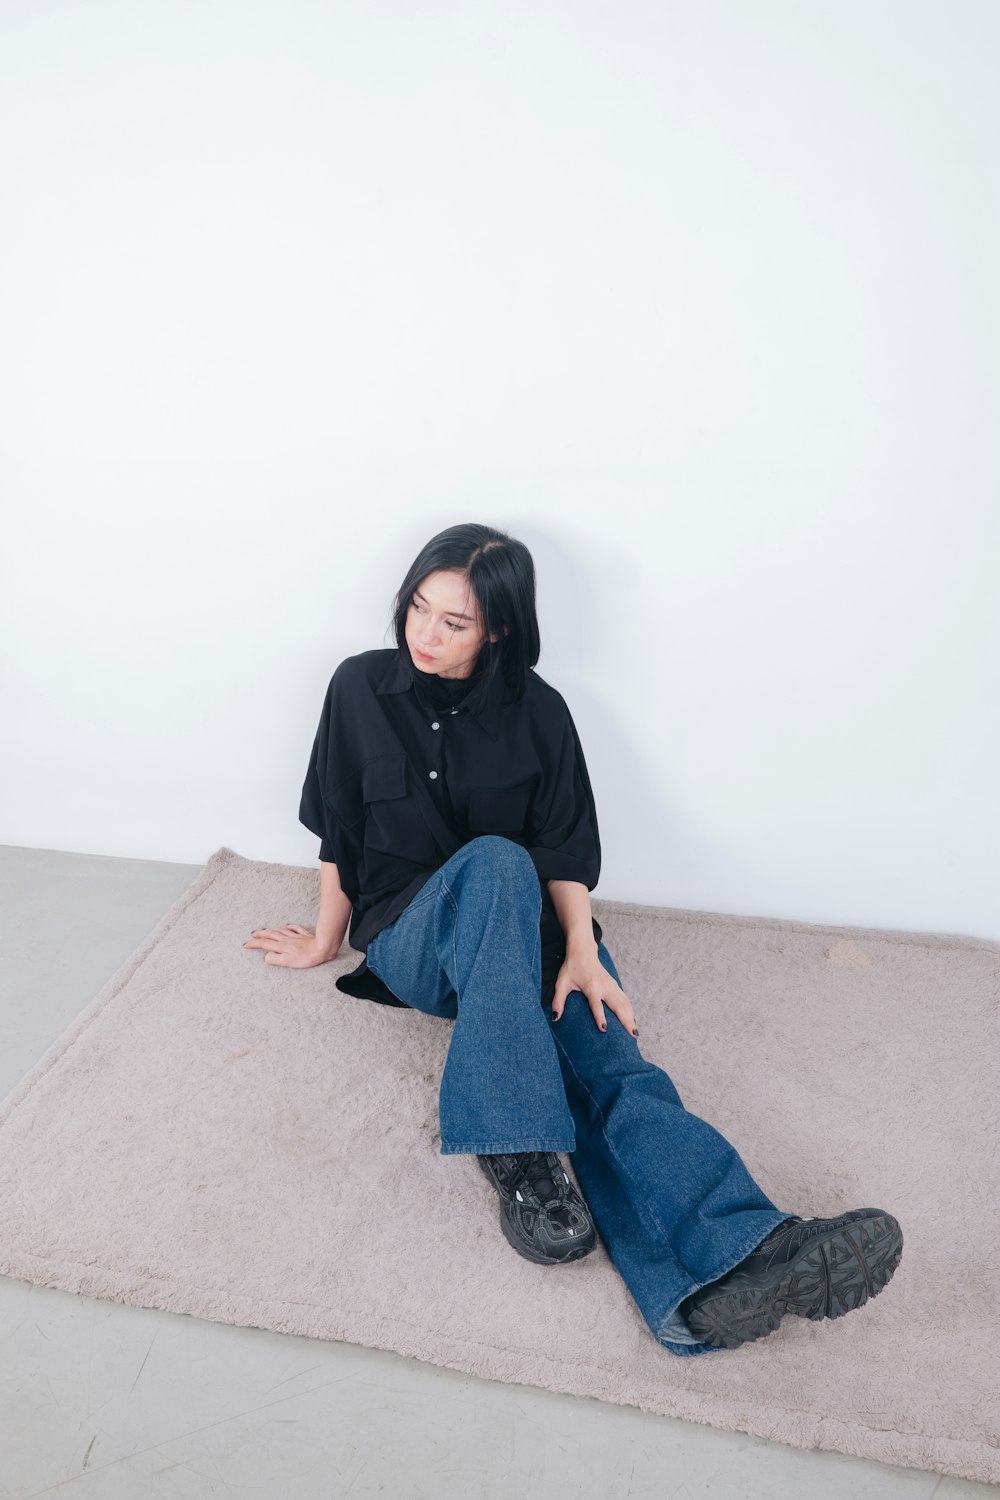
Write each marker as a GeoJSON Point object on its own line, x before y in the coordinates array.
{"type": "Point", "coordinates": [635, 1031]}
{"type": "Point", "coordinates": [604, 1025]}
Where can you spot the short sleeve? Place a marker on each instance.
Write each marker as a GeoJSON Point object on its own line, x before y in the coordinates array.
{"type": "Point", "coordinates": [563, 839]}
{"type": "Point", "coordinates": [322, 806]}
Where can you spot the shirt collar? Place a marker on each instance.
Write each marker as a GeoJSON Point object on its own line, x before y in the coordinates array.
{"type": "Point", "coordinates": [400, 675]}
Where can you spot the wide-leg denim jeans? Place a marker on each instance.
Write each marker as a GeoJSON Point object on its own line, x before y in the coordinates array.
{"type": "Point", "coordinates": [671, 1199]}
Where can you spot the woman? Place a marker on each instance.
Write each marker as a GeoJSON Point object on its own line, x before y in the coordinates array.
{"type": "Point", "coordinates": [458, 837]}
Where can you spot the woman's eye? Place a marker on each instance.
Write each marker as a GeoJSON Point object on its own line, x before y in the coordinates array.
{"type": "Point", "coordinates": [450, 626]}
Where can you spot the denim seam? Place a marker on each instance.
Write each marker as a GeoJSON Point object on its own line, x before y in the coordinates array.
{"type": "Point", "coordinates": [454, 950]}
{"type": "Point", "coordinates": [420, 900]}
{"type": "Point", "coordinates": [535, 949]}
{"type": "Point", "coordinates": [504, 1148]}
{"type": "Point", "coordinates": [446, 888]}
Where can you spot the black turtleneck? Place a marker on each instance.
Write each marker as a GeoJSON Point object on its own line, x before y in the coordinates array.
{"type": "Point", "coordinates": [443, 692]}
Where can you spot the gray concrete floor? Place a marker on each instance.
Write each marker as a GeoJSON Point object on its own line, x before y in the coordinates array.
{"type": "Point", "coordinates": [101, 1401]}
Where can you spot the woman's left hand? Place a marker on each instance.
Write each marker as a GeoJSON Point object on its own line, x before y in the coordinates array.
{"type": "Point", "coordinates": [583, 970]}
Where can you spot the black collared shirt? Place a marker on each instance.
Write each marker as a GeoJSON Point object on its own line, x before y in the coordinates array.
{"type": "Point", "coordinates": [402, 774]}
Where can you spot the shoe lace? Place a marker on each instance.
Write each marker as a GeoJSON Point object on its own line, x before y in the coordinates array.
{"type": "Point", "coordinates": [532, 1168]}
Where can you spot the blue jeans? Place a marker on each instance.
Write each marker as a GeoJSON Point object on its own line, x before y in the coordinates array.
{"type": "Point", "coordinates": [671, 1199]}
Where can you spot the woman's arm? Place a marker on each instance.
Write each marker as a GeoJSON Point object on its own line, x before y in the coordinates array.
{"type": "Point", "coordinates": [582, 968]}
{"type": "Point", "coordinates": [334, 911]}
{"type": "Point", "coordinates": [571, 899]}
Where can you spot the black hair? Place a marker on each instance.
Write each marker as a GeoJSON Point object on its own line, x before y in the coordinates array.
{"type": "Point", "coordinates": [501, 577]}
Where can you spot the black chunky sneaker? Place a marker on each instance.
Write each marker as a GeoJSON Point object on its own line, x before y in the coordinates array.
{"type": "Point", "coordinates": [814, 1268]}
{"type": "Point", "coordinates": [541, 1212]}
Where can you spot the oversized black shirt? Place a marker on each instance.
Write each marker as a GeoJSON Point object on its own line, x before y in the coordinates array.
{"type": "Point", "coordinates": [402, 775]}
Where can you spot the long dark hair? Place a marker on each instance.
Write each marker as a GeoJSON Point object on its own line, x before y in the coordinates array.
{"type": "Point", "coordinates": [501, 576]}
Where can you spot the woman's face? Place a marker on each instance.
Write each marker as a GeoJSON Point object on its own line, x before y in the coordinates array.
{"type": "Point", "coordinates": [443, 621]}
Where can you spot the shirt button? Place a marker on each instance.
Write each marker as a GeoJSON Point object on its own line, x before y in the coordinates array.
{"type": "Point", "coordinates": [435, 726]}
{"type": "Point", "coordinates": [432, 774]}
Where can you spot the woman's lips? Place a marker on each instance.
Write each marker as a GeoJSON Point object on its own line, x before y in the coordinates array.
{"type": "Point", "coordinates": [423, 654]}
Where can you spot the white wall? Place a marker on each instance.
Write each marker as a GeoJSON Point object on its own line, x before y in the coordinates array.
{"type": "Point", "coordinates": [698, 299]}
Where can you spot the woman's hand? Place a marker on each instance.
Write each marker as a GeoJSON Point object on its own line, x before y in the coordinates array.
{"type": "Point", "coordinates": [583, 970]}
{"type": "Point", "coordinates": [292, 947]}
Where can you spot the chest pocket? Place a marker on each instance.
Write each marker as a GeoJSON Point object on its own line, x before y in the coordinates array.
{"type": "Point", "coordinates": [498, 809]}
{"type": "Point", "coordinates": [394, 824]}
{"type": "Point", "coordinates": [383, 778]}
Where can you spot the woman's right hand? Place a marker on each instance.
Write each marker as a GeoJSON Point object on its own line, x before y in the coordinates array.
{"type": "Point", "coordinates": [292, 947]}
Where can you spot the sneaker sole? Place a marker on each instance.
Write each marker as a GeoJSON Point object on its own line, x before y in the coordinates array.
{"type": "Point", "coordinates": [833, 1275]}
{"type": "Point", "coordinates": [525, 1248]}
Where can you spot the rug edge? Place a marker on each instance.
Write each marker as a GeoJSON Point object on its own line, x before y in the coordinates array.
{"type": "Point", "coordinates": [690, 916]}
{"type": "Point", "coordinates": [938, 1453]}
{"type": "Point", "coordinates": [222, 858]}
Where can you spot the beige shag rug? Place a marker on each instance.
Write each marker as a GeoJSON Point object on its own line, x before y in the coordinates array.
{"type": "Point", "coordinates": [245, 1143]}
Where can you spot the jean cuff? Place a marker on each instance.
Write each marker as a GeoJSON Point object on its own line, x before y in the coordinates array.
{"type": "Point", "coordinates": [507, 1147]}
{"type": "Point", "coordinates": [673, 1332]}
